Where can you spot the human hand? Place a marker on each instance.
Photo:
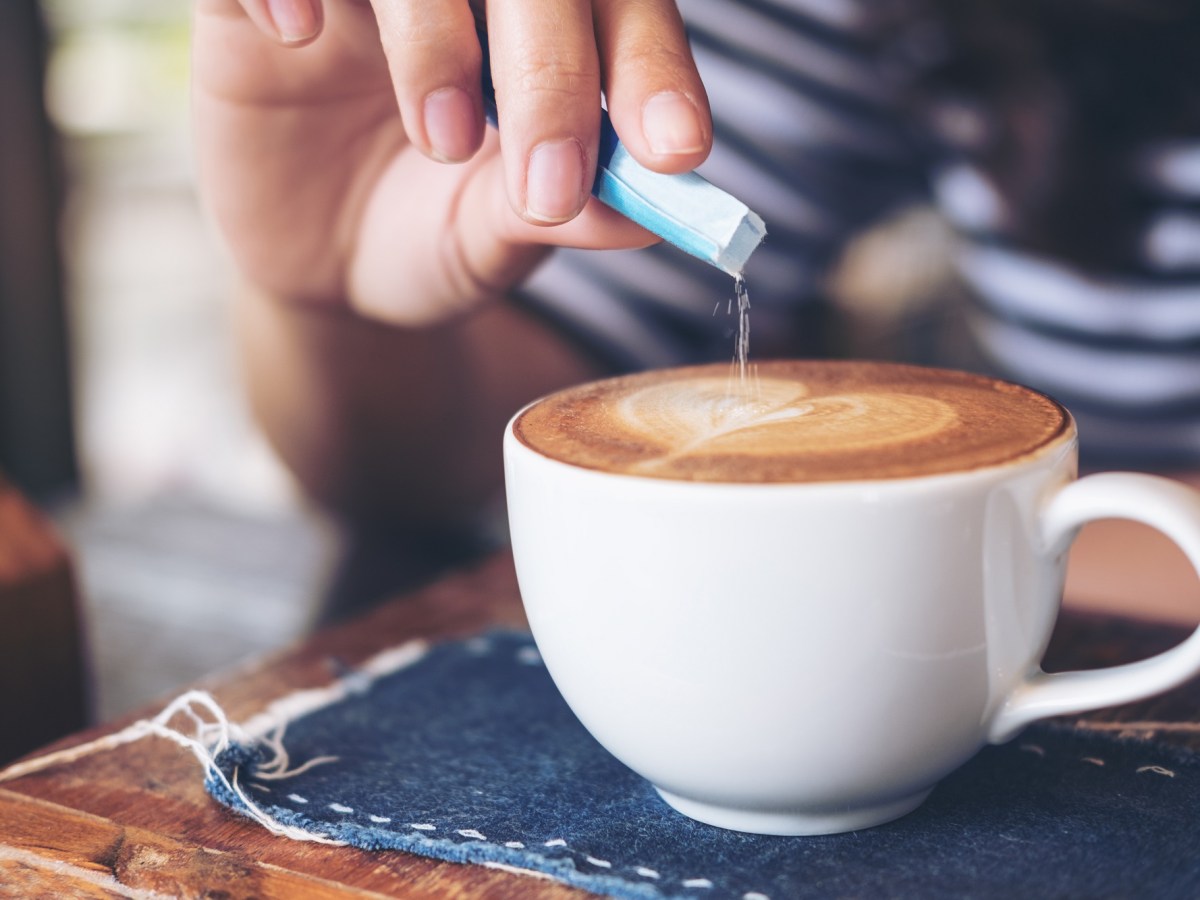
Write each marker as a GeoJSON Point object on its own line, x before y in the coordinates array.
{"type": "Point", "coordinates": [327, 195]}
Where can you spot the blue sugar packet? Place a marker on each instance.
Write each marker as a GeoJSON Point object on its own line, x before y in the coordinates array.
{"type": "Point", "coordinates": [465, 751]}
{"type": "Point", "coordinates": [685, 210]}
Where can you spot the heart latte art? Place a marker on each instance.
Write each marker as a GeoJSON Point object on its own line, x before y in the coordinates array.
{"type": "Point", "coordinates": [792, 421]}
{"type": "Point", "coordinates": [770, 416]}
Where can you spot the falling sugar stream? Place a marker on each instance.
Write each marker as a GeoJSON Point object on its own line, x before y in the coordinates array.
{"type": "Point", "coordinates": [741, 351]}
{"type": "Point", "coordinates": [742, 375]}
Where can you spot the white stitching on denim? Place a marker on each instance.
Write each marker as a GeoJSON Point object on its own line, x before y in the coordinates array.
{"type": "Point", "coordinates": [1185, 727]}
{"type": "Point", "coordinates": [1157, 770]}
{"type": "Point", "coordinates": [278, 765]}
{"type": "Point", "coordinates": [477, 646]}
{"type": "Point", "coordinates": [1096, 761]}
{"type": "Point", "coordinates": [529, 656]}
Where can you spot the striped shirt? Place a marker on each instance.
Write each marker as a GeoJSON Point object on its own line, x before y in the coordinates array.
{"type": "Point", "coordinates": [814, 130]}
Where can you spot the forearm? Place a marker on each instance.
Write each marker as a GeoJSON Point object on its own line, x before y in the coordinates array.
{"type": "Point", "coordinates": [390, 424]}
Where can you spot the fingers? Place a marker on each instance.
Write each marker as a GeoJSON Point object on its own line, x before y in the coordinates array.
{"type": "Point", "coordinates": [291, 22]}
{"type": "Point", "coordinates": [547, 74]}
{"type": "Point", "coordinates": [549, 59]}
{"type": "Point", "coordinates": [467, 250]}
{"type": "Point", "coordinates": [434, 58]}
{"type": "Point", "coordinates": [656, 100]}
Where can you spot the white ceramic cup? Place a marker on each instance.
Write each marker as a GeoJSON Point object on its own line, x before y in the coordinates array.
{"type": "Point", "coordinates": [813, 658]}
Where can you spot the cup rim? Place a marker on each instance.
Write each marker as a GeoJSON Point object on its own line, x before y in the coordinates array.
{"type": "Point", "coordinates": [1065, 440]}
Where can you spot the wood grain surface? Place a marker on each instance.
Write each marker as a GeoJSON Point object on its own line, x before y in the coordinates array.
{"type": "Point", "coordinates": [135, 821]}
{"type": "Point", "coordinates": [137, 818]}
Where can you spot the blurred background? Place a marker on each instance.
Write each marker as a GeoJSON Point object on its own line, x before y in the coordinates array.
{"type": "Point", "coordinates": [120, 409]}
{"type": "Point", "coordinates": [192, 547]}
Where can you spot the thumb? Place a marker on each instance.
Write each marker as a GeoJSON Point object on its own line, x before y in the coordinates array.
{"type": "Point", "coordinates": [478, 250]}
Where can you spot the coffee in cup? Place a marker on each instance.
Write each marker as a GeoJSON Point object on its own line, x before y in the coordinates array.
{"type": "Point", "coordinates": [794, 603]}
{"type": "Point", "coordinates": [792, 422]}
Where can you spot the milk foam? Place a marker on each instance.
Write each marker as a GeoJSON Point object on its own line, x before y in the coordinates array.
{"type": "Point", "coordinates": [792, 421]}
{"type": "Point", "coordinates": [768, 416]}
{"type": "Point", "coordinates": [695, 412]}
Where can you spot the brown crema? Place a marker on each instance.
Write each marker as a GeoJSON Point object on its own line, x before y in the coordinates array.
{"type": "Point", "coordinates": [792, 421]}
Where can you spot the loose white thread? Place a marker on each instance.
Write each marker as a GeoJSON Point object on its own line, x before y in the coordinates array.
{"type": "Point", "coordinates": [214, 737]}
{"type": "Point", "coordinates": [278, 766]}
{"type": "Point", "coordinates": [1092, 760]}
{"type": "Point", "coordinates": [211, 739]}
{"type": "Point", "coordinates": [136, 732]}
{"type": "Point", "coordinates": [266, 821]}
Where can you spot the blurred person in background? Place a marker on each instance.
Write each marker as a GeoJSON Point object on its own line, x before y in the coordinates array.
{"type": "Point", "coordinates": [37, 440]}
{"type": "Point", "coordinates": [413, 278]}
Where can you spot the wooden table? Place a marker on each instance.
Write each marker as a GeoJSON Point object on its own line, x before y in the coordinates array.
{"type": "Point", "coordinates": [42, 690]}
{"type": "Point", "coordinates": [136, 818]}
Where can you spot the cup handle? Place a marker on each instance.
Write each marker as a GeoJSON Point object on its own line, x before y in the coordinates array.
{"type": "Point", "coordinates": [1171, 508]}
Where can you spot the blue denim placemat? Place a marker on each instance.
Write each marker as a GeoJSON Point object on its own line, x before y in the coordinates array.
{"type": "Point", "coordinates": [469, 754]}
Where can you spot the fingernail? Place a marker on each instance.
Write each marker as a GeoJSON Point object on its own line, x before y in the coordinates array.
{"type": "Point", "coordinates": [671, 124]}
{"type": "Point", "coordinates": [451, 124]}
{"type": "Point", "coordinates": [295, 20]}
{"type": "Point", "coordinates": [554, 181]}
